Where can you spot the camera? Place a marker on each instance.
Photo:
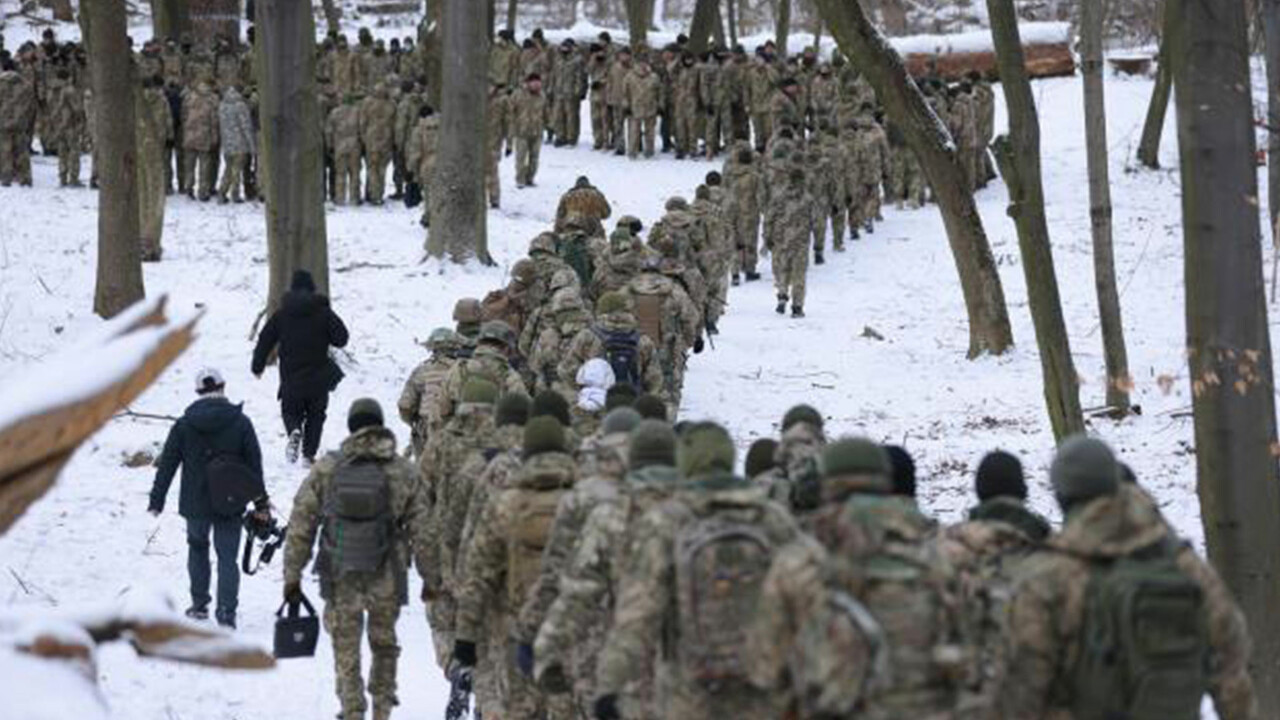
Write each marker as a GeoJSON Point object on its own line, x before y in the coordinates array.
{"type": "Point", "coordinates": [261, 526]}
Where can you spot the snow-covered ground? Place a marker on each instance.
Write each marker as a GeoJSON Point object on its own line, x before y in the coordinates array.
{"type": "Point", "coordinates": [91, 537]}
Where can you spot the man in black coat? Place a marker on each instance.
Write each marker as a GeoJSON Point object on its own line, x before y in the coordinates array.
{"type": "Point", "coordinates": [211, 426]}
{"type": "Point", "coordinates": [304, 328]}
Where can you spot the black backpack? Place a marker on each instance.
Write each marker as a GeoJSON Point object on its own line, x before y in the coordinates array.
{"type": "Point", "coordinates": [231, 482]}
{"type": "Point", "coordinates": [622, 350]}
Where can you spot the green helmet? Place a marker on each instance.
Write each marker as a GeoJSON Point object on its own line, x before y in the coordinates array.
{"type": "Point", "coordinates": [543, 243]}
{"type": "Point", "coordinates": [441, 339]}
{"type": "Point", "coordinates": [496, 331]}
{"type": "Point", "coordinates": [621, 420]}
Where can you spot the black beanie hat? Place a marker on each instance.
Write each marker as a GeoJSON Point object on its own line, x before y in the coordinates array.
{"type": "Point", "coordinates": [512, 409]}
{"type": "Point", "coordinates": [1000, 475]}
{"type": "Point", "coordinates": [904, 470]}
{"type": "Point", "coordinates": [550, 402]}
{"type": "Point", "coordinates": [619, 395]}
{"type": "Point", "coordinates": [760, 457]}
{"type": "Point", "coordinates": [365, 412]}
{"type": "Point", "coordinates": [302, 280]}
{"type": "Point", "coordinates": [651, 407]}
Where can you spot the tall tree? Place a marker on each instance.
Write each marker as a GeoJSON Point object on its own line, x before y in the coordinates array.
{"type": "Point", "coordinates": [1092, 17]}
{"type": "Point", "coordinates": [170, 18]}
{"type": "Point", "coordinates": [332, 16]}
{"type": "Point", "coordinates": [638, 21]}
{"type": "Point", "coordinates": [1228, 344]}
{"type": "Point", "coordinates": [1018, 155]}
{"type": "Point", "coordinates": [512, 11]}
{"type": "Point", "coordinates": [782, 25]}
{"type": "Point", "coordinates": [702, 27]}
{"type": "Point", "coordinates": [292, 146]}
{"type": "Point", "coordinates": [119, 280]}
{"type": "Point", "coordinates": [429, 39]}
{"type": "Point", "coordinates": [731, 13]}
{"type": "Point", "coordinates": [1153, 128]}
{"type": "Point", "coordinates": [457, 193]}
{"type": "Point", "coordinates": [989, 330]}
{"type": "Point", "coordinates": [1270, 12]}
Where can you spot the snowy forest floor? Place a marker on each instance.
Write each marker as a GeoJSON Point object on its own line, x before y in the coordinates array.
{"type": "Point", "coordinates": [91, 537]}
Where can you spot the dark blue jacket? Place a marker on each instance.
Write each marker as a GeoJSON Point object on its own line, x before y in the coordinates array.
{"type": "Point", "coordinates": [208, 424]}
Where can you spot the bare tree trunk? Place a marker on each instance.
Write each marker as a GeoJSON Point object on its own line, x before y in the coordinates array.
{"type": "Point", "coordinates": [170, 18]}
{"type": "Point", "coordinates": [490, 17]}
{"type": "Point", "coordinates": [638, 22]}
{"type": "Point", "coordinates": [332, 16]}
{"type": "Point", "coordinates": [1270, 12]}
{"type": "Point", "coordinates": [1153, 128]}
{"type": "Point", "coordinates": [432, 51]}
{"type": "Point", "coordinates": [1019, 158]}
{"type": "Point", "coordinates": [292, 153]}
{"type": "Point", "coordinates": [457, 194]}
{"type": "Point", "coordinates": [731, 11]}
{"type": "Point", "coordinates": [717, 27]}
{"type": "Point", "coordinates": [1092, 17]}
{"type": "Point", "coordinates": [782, 26]}
{"type": "Point", "coordinates": [704, 16]}
{"type": "Point", "coordinates": [512, 11]}
{"type": "Point", "coordinates": [989, 330]}
{"type": "Point", "coordinates": [119, 280]}
{"type": "Point", "coordinates": [1229, 347]}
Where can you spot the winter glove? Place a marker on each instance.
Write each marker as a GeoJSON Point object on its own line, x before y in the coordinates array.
{"type": "Point", "coordinates": [698, 346]}
{"type": "Point", "coordinates": [293, 592]}
{"type": "Point", "coordinates": [606, 708]}
{"type": "Point", "coordinates": [464, 652]}
{"type": "Point", "coordinates": [553, 680]}
{"type": "Point", "coordinates": [524, 659]}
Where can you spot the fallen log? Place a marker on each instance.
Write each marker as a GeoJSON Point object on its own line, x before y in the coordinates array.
{"type": "Point", "coordinates": [1047, 47]}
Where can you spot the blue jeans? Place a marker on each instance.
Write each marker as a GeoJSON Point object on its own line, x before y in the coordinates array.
{"type": "Point", "coordinates": [226, 543]}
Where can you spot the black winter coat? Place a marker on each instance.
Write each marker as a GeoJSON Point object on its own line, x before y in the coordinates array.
{"type": "Point", "coordinates": [304, 327]}
{"type": "Point", "coordinates": [209, 424]}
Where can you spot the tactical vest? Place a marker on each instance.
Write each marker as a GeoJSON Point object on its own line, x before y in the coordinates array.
{"type": "Point", "coordinates": [534, 515]}
{"type": "Point", "coordinates": [358, 525]}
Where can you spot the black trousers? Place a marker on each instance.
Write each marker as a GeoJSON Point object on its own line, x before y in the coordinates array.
{"type": "Point", "coordinates": [307, 414]}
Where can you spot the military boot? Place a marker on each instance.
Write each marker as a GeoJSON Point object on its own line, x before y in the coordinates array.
{"type": "Point", "coordinates": [782, 305]}
{"type": "Point", "coordinates": [853, 233]}
{"type": "Point", "coordinates": [870, 228]}
{"type": "Point", "coordinates": [817, 258]}
{"type": "Point", "coordinates": [797, 311]}
{"type": "Point", "coordinates": [752, 276]}
{"type": "Point", "coordinates": [736, 280]}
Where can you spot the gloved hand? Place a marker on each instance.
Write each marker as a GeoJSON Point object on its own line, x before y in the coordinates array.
{"type": "Point", "coordinates": [524, 659]}
{"type": "Point", "coordinates": [293, 592]}
{"type": "Point", "coordinates": [698, 346]}
{"type": "Point", "coordinates": [606, 708]}
{"type": "Point", "coordinates": [464, 652]}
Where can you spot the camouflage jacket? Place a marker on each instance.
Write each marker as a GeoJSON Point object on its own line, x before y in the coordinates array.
{"type": "Point", "coordinates": [342, 130]}
{"type": "Point", "coordinates": [529, 110]}
{"type": "Point", "coordinates": [469, 432]}
{"type": "Point", "coordinates": [377, 124]}
{"type": "Point", "coordinates": [486, 363]}
{"type": "Point", "coordinates": [200, 119]}
{"type": "Point", "coordinates": [644, 94]}
{"type": "Point", "coordinates": [420, 153]}
{"type": "Point", "coordinates": [407, 507]}
{"type": "Point", "coordinates": [497, 560]}
{"type": "Point", "coordinates": [589, 344]}
{"type": "Point", "coordinates": [1047, 611]}
{"type": "Point", "coordinates": [235, 125]}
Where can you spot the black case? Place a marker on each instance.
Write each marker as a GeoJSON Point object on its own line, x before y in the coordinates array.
{"type": "Point", "coordinates": [296, 634]}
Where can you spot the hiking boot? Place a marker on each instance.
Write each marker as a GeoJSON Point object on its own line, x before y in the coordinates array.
{"type": "Point", "coordinates": [198, 612]}
{"type": "Point", "coordinates": [853, 233]}
{"type": "Point", "coordinates": [797, 312]}
{"type": "Point", "coordinates": [870, 228]}
{"type": "Point", "coordinates": [736, 280]}
{"type": "Point", "coordinates": [753, 276]}
{"type": "Point", "coordinates": [712, 329]}
{"type": "Point", "coordinates": [782, 306]}
{"type": "Point", "coordinates": [227, 621]}
{"type": "Point", "coordinates": [818, 259]}
{"type": "Point", "coordinates": [295, 445]}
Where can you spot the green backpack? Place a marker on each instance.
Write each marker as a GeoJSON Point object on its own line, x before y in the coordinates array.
{"type": "Point", "coordinates": [1144, 642]}
{"type": "Point", "coordinates": [357, 519]}
{"type": "Point", "coordinates": [575, 249]}
{"type": "Point", "coordinates": [841, 658]}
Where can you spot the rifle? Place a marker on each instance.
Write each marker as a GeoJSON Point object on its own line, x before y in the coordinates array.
{"type": "Point", "coordinates": [460, 681]}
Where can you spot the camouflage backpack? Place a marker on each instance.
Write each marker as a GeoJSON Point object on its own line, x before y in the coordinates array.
{"type": "Point", "coordinates": [882, 555]}
{"type": "Point", "coordinates": [357, 519]}
{"type": "Point", "coordinates": [534, 515]}
{"type": "Point", "coordinates": [1144, 647]}
{"type": "Point", "coordinates": [720, 567]}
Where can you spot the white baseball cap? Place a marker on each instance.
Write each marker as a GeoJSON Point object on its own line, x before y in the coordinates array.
{"type": "Point", "coordinates": [209, 380]}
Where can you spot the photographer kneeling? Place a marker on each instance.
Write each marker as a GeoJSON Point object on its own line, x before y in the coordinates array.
{"type": "Point", "coordinates": [215, 445]}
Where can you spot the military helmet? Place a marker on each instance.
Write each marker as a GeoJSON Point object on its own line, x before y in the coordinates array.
{"type": "Point", "coordinates": [543, 434]}
{"type": "Point", "coordinates": [705, 448]}
{"type": "Point", "coordinates": [543, 243]}
{"type": "Point", "coordinates": [467, 310]}
{"type": "Point", "coordinates": [524, 271]}
{"type": "Point", "coordinates": [620, 420]}
{"type": "Point", "coordinates": [677, 203]}
{"type": "Point", "coordinates": [564, 278]}
{"type": "Point", "coordinates": [1083, 469]}
{"type": "Point", "coordinates": [854, 456]}
{"type": "Point", "coordinates": [653, 442]}
{"type": "Point", "coordinates": [441, 338]}
{"type": "Point", "coordinates": [496, 331]}
{"type": "Point", "coordinates": [567, 300]}
{"type": "Point", "coordinates": [611, 302]}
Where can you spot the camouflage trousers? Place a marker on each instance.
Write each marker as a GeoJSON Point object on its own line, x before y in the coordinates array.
{"type": "Point", "coordinates": [353, 607]}
{"type": "Point", "coordinates": [150, 199]}
{"type": "Point", "coordinates": [686, 130]}
{"type": "Point", "coordinates": [15, 158]}
{"type": "Point", "coordinates": [833, 215]}
{"type": "Point", "coordinates": [376, 162]}
{"type": "Point", "coordinates": [68, 163]}
{"type": "Point", "coordinates": [746, 241]}
{"type": "Point", "coordinates": [440, 619]}
{"type": "Point", "coordinates": [567, 119]}
{"type": "Point", "coordinates": [492, 180]}
{"type": "Point", "coordinates": [790, 265]}
{"type": "Point", "coordinates": [617, 128]}
{"type": "Point", "coordinates": [599, 121]}
{"type": "Point", "coordinates": [685, 701]}
{"type": "Point", "coordinates": [641, 133]}
{"type": "Point", "coordinates": [346, 182]}
{"type": "Point", "coordinates": [525, 701]}
{"type": "Point", "coordinates": [200, 173]}
{"type": "Point", "coordinates": [528, 150]}
{"type": "Point", "coordinates": [233, 167]}
{"type": "Point", "coordinates": [762, 123]}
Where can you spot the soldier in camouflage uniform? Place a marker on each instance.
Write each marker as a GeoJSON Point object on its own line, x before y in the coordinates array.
{"type": "Point", "coordinates": [715, 256]}
{"type": "Point", "coordinates": [686, 102]}
{"type": "Point", "coordinates": [824, 96]}
{"type": "Point", "coordinates": [1110, 525]}
{"type": "Point", "coordinates": [491, 361]}
{"type": "Point", "coordinates": [961, 120]}
{"type": "Point", "coordinates": [67, 123]}
{"type": "Point", "coordinates": [356, 596]}
{"type": "Point", "coordinates": [568, 317]}
{"type": "Point", "coordinates": [377, 131]}
{"type": "Point", "coordinates": [620, 261]}
{"type": "Point", "coordinates": [499, 120]}
{"type": "Point", "coordinates": [200, 135]}
{"type": "Point", "coordinates": [825, 189]}
{"type": "Point", "coordinates": [563, 279]}
{"type": "Point", "coordinates": [583, 202]}
{"type": "Point", "coordinates": [598, 78]}
{"type": "Point", "coordinates": [342, 135]}
{"type": "Point", "coordinates": [420, 154]}
{"type": "Point", "coordinates": [795, 459]}
{"type": "Point", "coordinates": [347, 72]}
{"type": "Point", "coordinates": [785, 109]}
{"type": "Point", "coordinates": [762, 83]}
{"type": "Point", "coordinates": [793, 226]}
{"type": "Point", "coordinates": [745, 192]}
{"type": "Point", "coordinates": [667, 315]}
{"type": "Point", "coordinates": [615, 326]}
{"type": "Point", "coordinates": [407, 107]}
{"type": "Point", "coordinates": [568, 87]}
{"type": "Point", "coordinates": [504, 58]}
{"type": "Point", "coordinates": [235, 127]}
{"type": "Point", "coordinates": [984, 112]}
{"type": "Point", "coordinates": [616, 95]}
{"type": "Point", "coordinates": [643, 101]}
{"type": "Point", "coordinates": [987, 551]}
{"type": "Point", "coordinates": [155, 130]}
{"type": "Point", "coordinates": [572, 635]}
{"type": "Point", "coordinates": [503, 557]}
{"type": "Point", "coordinates": [420, 398]}
{"type": "Point", "coordinates": [529, 109]}
{"type": "Point", "coordinates": [697, 569]}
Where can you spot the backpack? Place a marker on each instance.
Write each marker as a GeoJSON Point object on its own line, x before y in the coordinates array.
{"type": "Point", "coordinates": [648, 311]}
{"type": "Point", "coordinates": [842, 656]}
{"type": "Point", "coordinates": [1144, 643]}
{"type": "Point", "coordinates": [622, 350]}
{"type": "Point", "coordinates": [720, 567]}
{"type": "Point", "coordinates": [535, 515]}
{"type": "Point", "coordinates": [576, 253]}
{"type": "Point", "coordinates": [232, 483]}
{"type": "Point", "coordinates": [357, 518]}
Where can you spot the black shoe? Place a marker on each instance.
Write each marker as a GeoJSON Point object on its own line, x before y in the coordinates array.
{"type": "Point", "coordinates": [853, 234]}
{"type": "Point", "coordinates": [679, 154]}
{"type": "Point", "coordinates": [797, 312]}
{"type": "Point", "coordinates": [818, 259]}
{"type": "Point", "coordinates": [782, 306]}
{"type": "Point", "coordinates": [227, 621]}
{"type": "Point", "coordinates": [198, 612]}
{"type": "Point", "coordinates": [736, 280]}
{"type": "Point", "coordinates": [753, 276]}
{"type": "Point", "coordinates": [620, 153]}
{"type": "Point", "coordinates": [871, 229]}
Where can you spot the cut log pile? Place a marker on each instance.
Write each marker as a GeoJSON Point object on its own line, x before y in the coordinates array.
{"type": "Point", "coordinates": [1047, 47]}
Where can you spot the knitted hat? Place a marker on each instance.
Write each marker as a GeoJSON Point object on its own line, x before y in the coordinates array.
{"type": "Point", "coordinates": [651, 407]}
{"type": "Point", "coordinates": [552, 403]}
{"type": "Point", "coordinates": [1000, 475]}
{"type": "Point", "coordinates": [704, 448]}
{"type": "Point", "coordinates": [512, 409]}
{"type": "Point", "coordinates": [854, 456]}
{"type": "Point", "coordinates": [1083, 469]}
{"type": "Point", "coordinates": [653, 442]}
{"type": "Point", "coordinates": [618, 396]}
{"type": "Point", "coordinates": [302, 280]}
{"type": "Point", "coordinates": [364, 412]}
{"type": "Point", "coordinates": [904, 470]}
{"type": "Point", "coordinates": [543, 435]}
{"type": "Point", "coordinates": [622, 420]}
{"type": "Point", "coordinates": [760, 457]}
{"type": "Point", "coordinates": [802, 413]}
